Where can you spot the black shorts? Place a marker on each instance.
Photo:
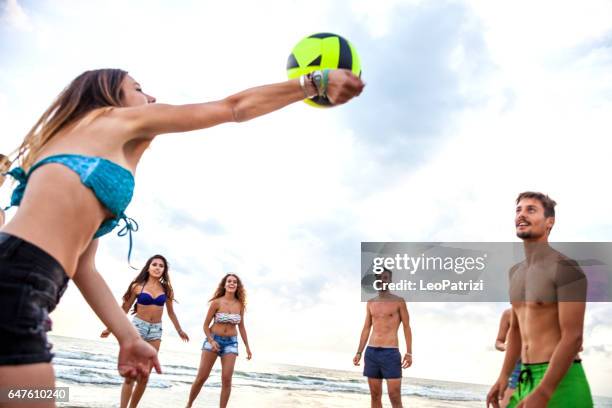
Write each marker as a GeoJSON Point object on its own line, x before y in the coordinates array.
{"type": "Point", "coordinates": [31, 284]}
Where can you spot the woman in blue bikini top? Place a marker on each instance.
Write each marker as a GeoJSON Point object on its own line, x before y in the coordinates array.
{"type": "Point", "coordinates": [152, 279]}
{"type": "Point", "coordinates": [76, 171]}
{"type": "Point", "coordinates": [151, 290]}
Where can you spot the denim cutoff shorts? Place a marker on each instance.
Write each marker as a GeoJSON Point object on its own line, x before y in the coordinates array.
{"type": "Point", "coordinates": [227, 345]}
{"type": "Point", "coordinates": [148, 331]}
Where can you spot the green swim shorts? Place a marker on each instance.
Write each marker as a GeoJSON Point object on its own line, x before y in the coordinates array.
{"type": "Point", "coordinates": [573, 390]}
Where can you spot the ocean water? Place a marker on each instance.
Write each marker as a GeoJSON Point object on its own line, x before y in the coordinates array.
{"type": "Point", "coordinates": [88, 367]}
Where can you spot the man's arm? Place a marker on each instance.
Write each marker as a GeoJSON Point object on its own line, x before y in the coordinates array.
{"type": "Point", "coordinates": [513, 346]}
{"type": "Point", "coordinates": [405, 318]}
{"type": "Point", "coordinates": [365, 333]}
{"type": "Point", "coordinates": [513, 352]}
{"type": "Point", "coordinates": [502, 333]}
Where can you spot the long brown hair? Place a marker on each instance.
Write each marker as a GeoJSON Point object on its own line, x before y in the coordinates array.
{"type": "Point", "coordinates": [143, 276]}
{"type": "Point", "coordinates": [240, 291]}
{"type": "Point", "coordinates": [89, 91]}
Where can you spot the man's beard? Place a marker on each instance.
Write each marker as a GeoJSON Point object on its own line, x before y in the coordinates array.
{"type": "Point", "coordinates": [524, 235]}
{"type": "Point", "coordinates": [527, 235]}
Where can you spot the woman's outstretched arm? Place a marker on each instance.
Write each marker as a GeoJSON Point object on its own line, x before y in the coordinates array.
{"type": "Point", "coordinates": [154, 119]}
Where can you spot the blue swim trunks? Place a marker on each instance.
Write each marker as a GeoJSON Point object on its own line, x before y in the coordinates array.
{"type": "Point", "coordinates": [227, 345]}
{"type": "Point", "coordinates": [514, 377]}
{"type": "Point", "coordinates": [382, 362]}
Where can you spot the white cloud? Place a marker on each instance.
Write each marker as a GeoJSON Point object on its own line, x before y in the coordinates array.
{"type": "Point", "coordinates": [15, 17]}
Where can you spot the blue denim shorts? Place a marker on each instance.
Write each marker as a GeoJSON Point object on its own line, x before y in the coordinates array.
{"type": "Point", "coordinates": [227, 345]}
{"type": "Point", "coordinates": [148, 331]}
{"type": "Point", "coordinates": [382, 362]}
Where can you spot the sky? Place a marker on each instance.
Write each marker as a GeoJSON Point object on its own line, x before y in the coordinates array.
{"type": "Point", "coordinates": [467, 104]}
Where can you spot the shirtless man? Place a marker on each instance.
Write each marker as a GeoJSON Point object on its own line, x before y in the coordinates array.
{"type": "Point", "coordinates": [548, 293]}
{"type": "Point", "coordinates": [384, 314]}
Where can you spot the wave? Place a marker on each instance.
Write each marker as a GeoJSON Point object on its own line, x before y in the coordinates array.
{"type": "Point", "coordinates": [96, 377]}
{"type": "Point", "coordinates": [85, 367]}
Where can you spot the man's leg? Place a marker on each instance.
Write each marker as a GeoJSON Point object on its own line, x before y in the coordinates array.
{"type": "Point", "coordinates": [375, 392]}
{"type": "Point", "coordinates": [394, 387]}
{"type": "Point", "coordinates": [391, 369]}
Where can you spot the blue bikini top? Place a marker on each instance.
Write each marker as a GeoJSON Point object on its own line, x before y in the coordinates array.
{"type": "Point", "coordinates": [112, 184]}
{"type": "Point", "coordinates": [146, 299]}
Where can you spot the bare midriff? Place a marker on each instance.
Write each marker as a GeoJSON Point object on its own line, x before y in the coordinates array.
{"type": "Point", "coordinates": [150, 313]}
{"type": "Point", "coordinates": [224, 329]}
{"type": "Point", "coordinates": [58, 214]}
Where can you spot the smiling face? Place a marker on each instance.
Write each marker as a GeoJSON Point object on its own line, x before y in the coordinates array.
{"type": "Point", "coordinates": [530, 221]}
{"type": "Point", "coordinates": [231, 284]}
{"type": "Point", "coordinates": [157, 268]}
{"type": "Point", "coordinates": [132, 94]}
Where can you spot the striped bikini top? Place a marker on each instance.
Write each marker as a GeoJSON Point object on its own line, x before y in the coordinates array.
{"type": "Point", "coordinates": [231, 318]}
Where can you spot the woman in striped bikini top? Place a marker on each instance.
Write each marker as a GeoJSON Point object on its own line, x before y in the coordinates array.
{"type": "Point", "coordinates": [227, 318]}
{"type": "Point", "coordinates": [223, 322]}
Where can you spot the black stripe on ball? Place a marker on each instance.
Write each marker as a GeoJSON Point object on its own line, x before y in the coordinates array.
{"type": "Point", "coordinates": [292, 62]}
{"type": "Point", "coordinates": [323, 35]}
{"type": "Point", "coordinates": [315, 62]}
{"type": "Point", "coordinates": [345, 59]}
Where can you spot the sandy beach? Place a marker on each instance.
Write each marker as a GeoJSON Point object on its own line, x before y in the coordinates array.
{"type": "Point", "coordinates": [107, 397]}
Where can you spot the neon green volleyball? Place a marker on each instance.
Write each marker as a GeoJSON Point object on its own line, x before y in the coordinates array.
{"type": "Point", "coordinates": [321, 51]}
